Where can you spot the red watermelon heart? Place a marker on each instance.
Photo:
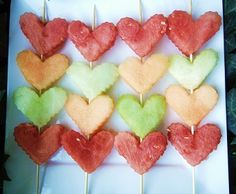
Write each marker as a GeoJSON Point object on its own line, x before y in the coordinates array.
{"type": "Point", "coordinates": [141, 155]}
{"type": "Point", "coordinates": [92, 43]}
{"type": "Point", "coordinates": [40, 146]}
{"type": "Point", "coordinates": [142, 38]}
{"type": "Point", "coordinates": [46, 38]}
{"type": "Point", "coordinates": [89, 154]}
{"type": "Point", "coordinates": [188, 34]}
{"type": "Point", "coordinates": [194, 148]}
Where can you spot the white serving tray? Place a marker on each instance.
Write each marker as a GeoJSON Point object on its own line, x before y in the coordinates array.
{"type": "Point", "coordinates": [61, 175]}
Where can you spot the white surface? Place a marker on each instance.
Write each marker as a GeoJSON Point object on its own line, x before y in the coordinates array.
{"type": "Point", "coordinates": [172, 175]}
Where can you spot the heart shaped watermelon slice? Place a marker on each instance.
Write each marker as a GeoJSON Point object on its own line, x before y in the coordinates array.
{"type": "Point", "coordinates": [142, 38]}
{"type": "Point", "coordinates": [46, 38]}
{"type": "Point", "coordinates": [89, 154]}
{"type": "Point", "coordinates": [194, 148]}
{"type": "Point", "coordinates": [92, 43]}
{"type": "Point", "coordinates": [40, 146]}
{"type": "Point", "coordinates": [188, 34]}
{"type": "Point", "coordinates": [141, 155]}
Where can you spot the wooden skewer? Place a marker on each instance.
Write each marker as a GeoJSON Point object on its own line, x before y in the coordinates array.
{"type": "Point", "coordinates": [141, 177]}
{"type": "Point", "coordinates": [191, 58]}
{"type": "Point", "coordinates": [193, 168]}
{"type": "Point", "coordinates": [190, 7]}
{"type": "Point", "coordinates": [44, 12]}
{"type": "Point", "coordinates": [86, 176]}
{"type": "Point", "coordinates": [94, 17]}
{"type": "Point", "coordinates": [93, 27]}
{"type": "Point", "coordinates": [43, 20]}
{"type": "Point", "coordinates": [141, 190]}
{"type": "Point", "coordinates": [37, 181]}
{"type": "Point", "coordinates": [90, 64]}
{"type": "Point", "coordinates": [85, 183]}
{"type": "Point", "coordinates": [141, 186]}
{"type": "Point", "coordinates": [191, 92]}
{"type": "Point", "coordinates": [37, 175]}
{"type": "Point", "coordinates": [141, 98]}
{"type": "Point", "coordinates": [192, 131]}
{"type": "Point", "coordinates": [140, 11]}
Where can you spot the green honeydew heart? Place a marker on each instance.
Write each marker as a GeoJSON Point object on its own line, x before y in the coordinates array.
{"type": "Point", "coordinates": [93, 81]}
{"type": "Point", "coordinates": [191, 75]}
{"type": "Point", "coordinates": [40, 109]}
{"type": "Point", "coordinates": [142, 119]}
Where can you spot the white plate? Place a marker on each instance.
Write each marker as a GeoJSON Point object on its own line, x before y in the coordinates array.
{"type": "Point", "coordinates": [172, 175]}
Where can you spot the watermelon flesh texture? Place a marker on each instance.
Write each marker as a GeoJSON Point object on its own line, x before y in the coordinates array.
{"type": "Point", "coordinates": [141, 156]}
{"type": "Point", "coordinates": [89, 154]}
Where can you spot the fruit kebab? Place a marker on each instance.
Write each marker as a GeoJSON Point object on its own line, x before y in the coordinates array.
{"type": "Point", "coordinates": [90, 147]}
{"type": "Point", "coordinates": [141, 187]}
{"type": "Point", "coordinates": [39, 72]}
{"type": "Point", "coordinates": [190, 73]}
{"type": "Point", "coordinates": [142, 117]}
{"type": "Point", "coordinates": [192, 126]}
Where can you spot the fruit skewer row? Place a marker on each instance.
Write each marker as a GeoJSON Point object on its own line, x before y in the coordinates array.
{"type": "Point", "coordinates": [37, 106]}
{"type": "Point", "coordinates": [143, 148]}
{"type": "Point", "coordinates": [92, 112]}
{"type": "Point", "coordinates": [195, 145]}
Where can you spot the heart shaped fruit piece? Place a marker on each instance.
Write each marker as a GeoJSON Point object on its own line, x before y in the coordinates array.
{"type": "Point", "coordinates": [142, 119]}
{"type": "Point", "coordinates": [41, 74]}
{"type": "Point", "coordinates": [143, 75]}
{"type": "Point", "coordinates": [89, 154]}
{"type": "Point", "coordinates": [141, 155]}
{"type": "Point", "coordinates": [92, 44]}
{"type": "Point", "coordinates": [40, 146]}
{"type": "Point", "coordinates": [142, 38]}
{"type": "Point", "coordinates": [40, 109]}
{"type": "Point", "coordinates": [89, 117]}
{"type": "Point", "coordinates": [189, 35]}
{"type": "Point", "coordinates": [191, 75]}
{"type": "Point", "coordinates": [46, 38]}
{"type": "Point", "coordinates": [192, 108]}
{"type": "Point", "coordinates": [94, 81]}
{"type": "Point", "coordinates": [194, 148]}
